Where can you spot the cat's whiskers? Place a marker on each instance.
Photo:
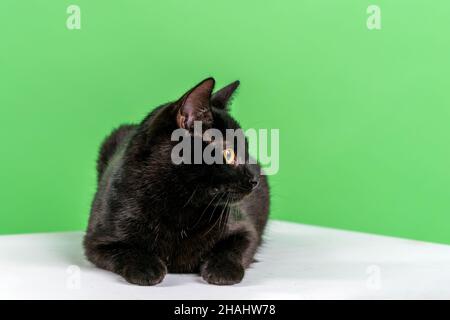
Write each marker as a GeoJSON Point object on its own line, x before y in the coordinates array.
{"type": "Point", "coordinates": [227, 214]}
{"type": "Point", "coordinates": [215, 206]}
{"type": "Point", "coordinates": [225, 207]}
{"type": "Point", "coordinates": [201, 216]}
{"type": "Point", "coordinates": [191, 197]}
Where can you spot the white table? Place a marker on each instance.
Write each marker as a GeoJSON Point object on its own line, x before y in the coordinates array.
{"type": "Point", "coordinates": [297, 262]}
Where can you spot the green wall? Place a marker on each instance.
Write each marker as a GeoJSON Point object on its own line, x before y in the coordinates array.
{"type": "Point", "coordinates": [364, 116]}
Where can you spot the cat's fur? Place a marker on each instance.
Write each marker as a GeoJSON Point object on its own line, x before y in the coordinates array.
{"type": "Point", "coordinates": [151, 216]}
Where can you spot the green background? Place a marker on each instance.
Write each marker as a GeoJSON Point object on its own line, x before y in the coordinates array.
{"type": "Point", "coordinates": [364, 115]}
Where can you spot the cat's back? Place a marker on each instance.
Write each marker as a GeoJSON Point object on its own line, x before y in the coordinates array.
{"type": "Point", "coordinates": [116, 139]}
{"type": "Point", "coordinates": [109, 163]}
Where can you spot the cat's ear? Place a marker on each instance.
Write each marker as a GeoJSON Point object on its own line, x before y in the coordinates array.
{"type": "Point", "coordinates": [221, 99]}
{"type": "Point", "coordinates": [195, 105]}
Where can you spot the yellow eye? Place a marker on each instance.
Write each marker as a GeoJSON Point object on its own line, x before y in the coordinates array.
{"type": "Point", "coordinates": [229, 156]}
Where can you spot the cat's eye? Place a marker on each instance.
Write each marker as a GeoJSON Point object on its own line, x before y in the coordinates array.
{"type": "Point", "coordinates": [229, 156]}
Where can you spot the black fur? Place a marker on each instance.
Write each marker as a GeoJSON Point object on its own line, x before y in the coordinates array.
{"type": "Point", "coordinates": [150, 216]}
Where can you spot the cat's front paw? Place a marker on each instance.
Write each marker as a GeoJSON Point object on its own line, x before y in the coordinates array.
{"type": "Point", "coordinates": [145, 274]}
{"type": "Point", "coordinates": [222, 271]}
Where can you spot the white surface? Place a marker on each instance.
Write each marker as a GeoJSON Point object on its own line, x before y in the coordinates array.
{"type": "Point", "coordinates": [297, 262]}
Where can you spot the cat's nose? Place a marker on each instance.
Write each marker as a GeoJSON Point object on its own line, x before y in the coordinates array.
{"type": "Point", "coordinates": [254, 182]}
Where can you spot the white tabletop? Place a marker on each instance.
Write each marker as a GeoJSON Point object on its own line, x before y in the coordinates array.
{"type": "Point", "coordinates": [296, 262]}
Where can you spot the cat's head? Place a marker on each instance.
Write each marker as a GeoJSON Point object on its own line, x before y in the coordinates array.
{"type": "Point", "coordinates": [229, 180]}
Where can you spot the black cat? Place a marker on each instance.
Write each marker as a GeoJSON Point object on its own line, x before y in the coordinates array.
{"type": "Point", "coordinates": [151, 216]}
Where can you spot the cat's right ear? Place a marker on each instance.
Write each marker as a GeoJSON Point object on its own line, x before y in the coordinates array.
{"type": "Point", "coordinates": [195, 106]}
{"type": "Point", "coordinates": [221, 98]}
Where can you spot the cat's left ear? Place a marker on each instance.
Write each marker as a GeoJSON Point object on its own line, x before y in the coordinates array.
{"type": "Point", "coordinates": [195, 106]}
{"type": "Point", "coordinates": [221, 99]}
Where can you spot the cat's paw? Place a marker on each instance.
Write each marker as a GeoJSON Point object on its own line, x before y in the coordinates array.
{"type": "Point", "coordinates": [222, 271]}
{"type": "Point", "coordinates": [147, 274]}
